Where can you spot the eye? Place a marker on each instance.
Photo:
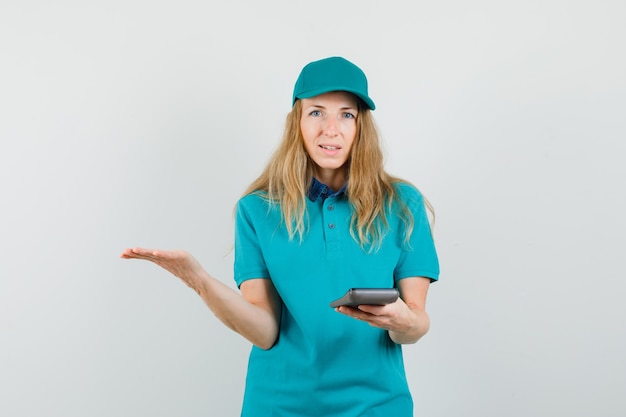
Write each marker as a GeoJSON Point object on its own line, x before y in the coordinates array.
{"type": "Point", "coordinates": [315, 113]}
{"type": "Point", "coordinates": [348, 115]}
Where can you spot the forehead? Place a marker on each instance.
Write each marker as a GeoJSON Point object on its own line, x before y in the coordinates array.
{"type": "Point", "coordinates": [336, 98]}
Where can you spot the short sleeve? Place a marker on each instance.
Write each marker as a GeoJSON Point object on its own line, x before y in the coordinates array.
{"type": "Point", "coordinates": [249, 261]}
{"type": "Point", "coordinates": [419, 257]}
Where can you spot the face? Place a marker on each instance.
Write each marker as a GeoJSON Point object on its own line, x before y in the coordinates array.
{"type": "Point", "coordinates": [328, 126]}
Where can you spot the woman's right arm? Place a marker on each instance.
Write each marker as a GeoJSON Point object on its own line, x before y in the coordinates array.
{"type": "Point", "coordinates": [254, 314]}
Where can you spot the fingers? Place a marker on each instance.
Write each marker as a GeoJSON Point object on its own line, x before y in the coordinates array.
{"type": "Point", "coordinates": [372, 309]}
{"type": "Point", "coordinates": [377, 316]}
{"type": "Point", "coordinates": [355, 313]}
{"type": "Point", "coordinates": [140, 253]}
{"type": "Point", "coordinates": [127, 253]}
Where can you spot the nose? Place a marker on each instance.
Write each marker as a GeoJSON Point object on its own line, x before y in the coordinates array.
{"type": "Point", "coordinates": [330, 126]}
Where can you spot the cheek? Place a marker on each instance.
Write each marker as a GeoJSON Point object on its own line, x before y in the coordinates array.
{"type": "Point", "coordinates": [307, 139]}
{"type": "Point", "coordinates": [308, 128]}
{"type": "Point", "coordinates": [309, 133]}
{"type": "Point", "coordinates": [350, 137]}
{"type": "Point", "coordinates": [349, 129]}
{"type": "Point", "coordinates": [349, 148]}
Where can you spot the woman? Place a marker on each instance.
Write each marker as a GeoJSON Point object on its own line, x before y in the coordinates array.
{"type": "Point", "coordinates": [323, 217]}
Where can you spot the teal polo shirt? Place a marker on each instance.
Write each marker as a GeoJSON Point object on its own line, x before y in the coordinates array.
{"type": "Point", "coordinates": [324, 363]}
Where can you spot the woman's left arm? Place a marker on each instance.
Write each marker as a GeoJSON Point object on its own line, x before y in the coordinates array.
{"type": "Point", "coordinates": [413, 293]}
{"type": "Point", "coordinates": [406, 319]}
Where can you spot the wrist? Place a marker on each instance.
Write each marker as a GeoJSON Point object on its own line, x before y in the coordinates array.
{"type": "Point", "coordinates": [418, 324]}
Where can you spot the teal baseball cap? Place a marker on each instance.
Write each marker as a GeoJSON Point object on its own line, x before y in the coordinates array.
{"type": "Point", "coordinates": [331, 74]}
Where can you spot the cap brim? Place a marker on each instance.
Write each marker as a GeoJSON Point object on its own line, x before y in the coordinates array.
{"type": "Point", "coordinates": [316, 92]}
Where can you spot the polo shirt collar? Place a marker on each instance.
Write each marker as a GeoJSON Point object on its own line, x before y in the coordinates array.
{"type": "Point", "coordinates": [318, 190]}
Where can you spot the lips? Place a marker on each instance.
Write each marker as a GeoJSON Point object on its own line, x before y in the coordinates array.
{"type": "Point", "coordinates": [330, 150]}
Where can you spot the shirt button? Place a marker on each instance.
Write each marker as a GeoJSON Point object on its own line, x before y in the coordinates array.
{"type": "Point", "coordinates": [331, 225]}
{"type": "Point", "coordinates": [331, 208]}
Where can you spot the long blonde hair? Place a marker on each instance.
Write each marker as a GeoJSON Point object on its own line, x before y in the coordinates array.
{"type": "Point", "coordinates": [286, 179]}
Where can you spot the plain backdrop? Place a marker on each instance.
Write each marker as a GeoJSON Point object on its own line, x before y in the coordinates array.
{"type": "Point", "coordinates": [140, 123]}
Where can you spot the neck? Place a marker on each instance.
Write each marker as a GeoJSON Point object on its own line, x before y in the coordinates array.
{"type": "Point", "coordinates": [334, 179]}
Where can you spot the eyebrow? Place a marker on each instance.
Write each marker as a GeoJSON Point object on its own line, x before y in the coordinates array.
{"type": "Point", "coordinates": [319, 106]}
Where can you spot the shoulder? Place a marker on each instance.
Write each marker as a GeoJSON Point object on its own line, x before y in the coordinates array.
{"type": "Point", "coordinates": [252, 201]}
{"type": "Point", "coordinates": [255, 205]}
{"type": "Point", "coordinates": [407, 192]}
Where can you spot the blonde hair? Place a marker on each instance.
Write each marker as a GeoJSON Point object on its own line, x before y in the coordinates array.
{"type": "Point", "coordinates": [288, 175]}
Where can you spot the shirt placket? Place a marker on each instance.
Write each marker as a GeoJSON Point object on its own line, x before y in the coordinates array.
{"type": "Point", "coordinates": [332, 226]}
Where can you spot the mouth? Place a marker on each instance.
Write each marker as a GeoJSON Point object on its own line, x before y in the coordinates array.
{"type": "Point", "coordinates": [330, 147]}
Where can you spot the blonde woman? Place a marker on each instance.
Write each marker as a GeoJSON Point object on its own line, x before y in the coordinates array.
{"type": "Point", "coordinates": [323, 217]}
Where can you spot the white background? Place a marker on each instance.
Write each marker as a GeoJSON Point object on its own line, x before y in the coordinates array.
{"type": "Point", "coordinates": [140, 123]}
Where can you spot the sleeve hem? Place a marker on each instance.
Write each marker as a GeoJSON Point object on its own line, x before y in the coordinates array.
{"type": "Point", "coordinates": [433, 276]}
{"type": "Point", "coordinates": [240, 280]}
